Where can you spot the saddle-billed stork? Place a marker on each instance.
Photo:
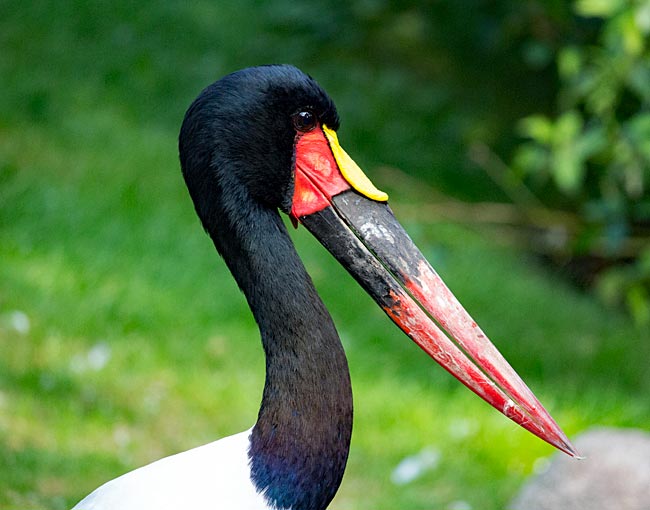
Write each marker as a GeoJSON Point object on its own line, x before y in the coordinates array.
{"type": "Point", "coordinates": [256, 142]}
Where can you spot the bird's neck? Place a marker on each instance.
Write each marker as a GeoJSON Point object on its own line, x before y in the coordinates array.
{"type": "Point", "coordinates": [300, 443]}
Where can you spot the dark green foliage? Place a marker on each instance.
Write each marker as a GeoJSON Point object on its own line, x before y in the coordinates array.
{"type": "Point", "coordinates": [592, 156]}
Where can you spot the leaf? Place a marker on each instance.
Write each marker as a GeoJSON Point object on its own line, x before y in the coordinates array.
{"type": "Point", "coordinates": [537, 127]}
{"type": "Point", "coordinates": [642, 17]}
{"type": "Point", "coordinates": [567, 127]}
{"type": "Point", "coordinates": [598, 8]}
{"type": "Point", "coordinates": [530, 159]}
{"type": "Point", "coordinates": [638, 127]}
{"type": "Point", "coordinates": [568, 169]}
{"type": "Point", "coordinates": [637, 131]}
{"type": "Point", "coordinates": [569, 62]}
{"type": "Point", "coordinates": [633, 40]}
{"type": "Point", "coordinates": [638, 80]}
{"type": "Point", "coordinates": [591, 142]}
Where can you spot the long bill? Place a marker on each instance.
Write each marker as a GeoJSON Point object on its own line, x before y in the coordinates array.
{"type": "Point", "coordinates": [336, 202]}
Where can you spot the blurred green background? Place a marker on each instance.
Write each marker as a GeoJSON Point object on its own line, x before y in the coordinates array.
{"type": "Point", "coordinates": [513, 137]}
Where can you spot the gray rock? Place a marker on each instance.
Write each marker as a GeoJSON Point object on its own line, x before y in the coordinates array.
{"type": "Point", "coordinates": [615, 475]}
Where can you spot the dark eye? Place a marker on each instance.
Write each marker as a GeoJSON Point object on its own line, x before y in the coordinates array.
{"type": "Point", "coordinates": [304, 120]}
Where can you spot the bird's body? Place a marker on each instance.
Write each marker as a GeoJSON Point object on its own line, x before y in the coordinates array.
{"type": "Point", "coordinates": [263, 140]}
{"type": "Point", "coordinates": [217, 471]}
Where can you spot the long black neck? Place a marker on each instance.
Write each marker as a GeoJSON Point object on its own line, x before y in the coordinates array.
{"type": "Point", "coordinates": [300, 443]}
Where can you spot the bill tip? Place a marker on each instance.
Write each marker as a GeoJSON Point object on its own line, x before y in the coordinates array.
{"type": "Point", "coordinates": [570, 450]}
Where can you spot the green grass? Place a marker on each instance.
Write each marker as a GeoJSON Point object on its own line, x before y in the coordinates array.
{"type": "Point", "coordinates": [100, 248]}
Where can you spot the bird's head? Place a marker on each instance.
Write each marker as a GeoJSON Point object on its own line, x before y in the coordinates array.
{"type": "Point", "coordinates": [244, 130]}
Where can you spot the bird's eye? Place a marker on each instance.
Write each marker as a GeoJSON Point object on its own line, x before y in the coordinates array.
{"type": "Point", "coordinates": [304, 120]}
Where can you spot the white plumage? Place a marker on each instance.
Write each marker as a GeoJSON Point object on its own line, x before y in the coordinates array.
{"type": "Point", "coordinates": [211, 477]}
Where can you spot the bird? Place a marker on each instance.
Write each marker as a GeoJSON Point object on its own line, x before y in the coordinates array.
{"type": "Point", "coordinates": [258, 143]}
